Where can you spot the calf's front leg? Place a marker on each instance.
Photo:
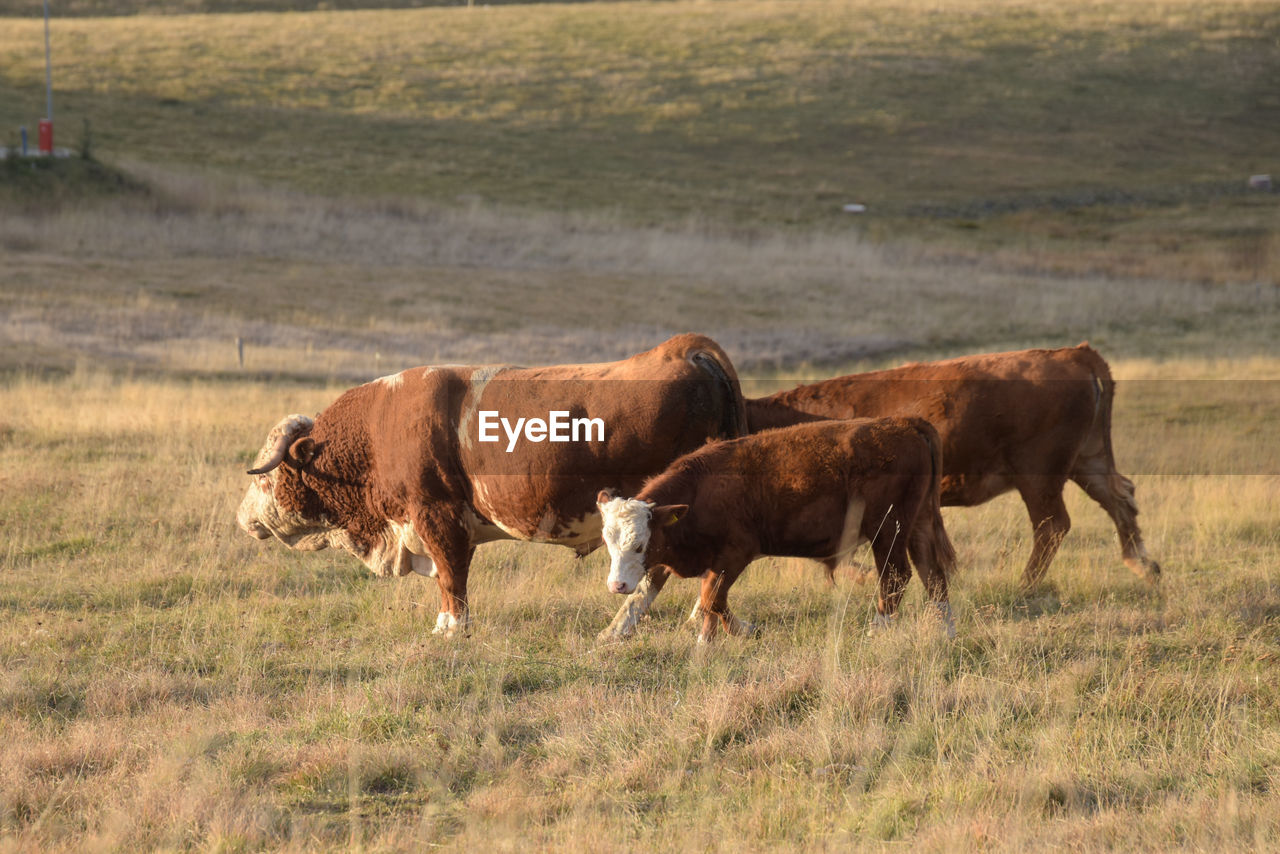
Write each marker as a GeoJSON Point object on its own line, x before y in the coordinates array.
{"type": "Point", "coordinates": [714, 604]}
{"type": "Point", "coordinates": [635, 606]}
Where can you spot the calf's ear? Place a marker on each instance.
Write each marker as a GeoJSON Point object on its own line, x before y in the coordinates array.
{"type": "Point", "coordinates": [668, 514]}
{"type": "Point", "coordinates": [304, 450]}
{"type": "Point", "coordinates": [604, 496]}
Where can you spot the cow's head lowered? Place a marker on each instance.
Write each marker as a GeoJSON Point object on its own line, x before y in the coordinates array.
{"type": "Point", "coordinates": [278, 501]}
{"type": "Point", "coordinates": [633, 530]}
{"type": "Point", "coordinates": [302, 502]}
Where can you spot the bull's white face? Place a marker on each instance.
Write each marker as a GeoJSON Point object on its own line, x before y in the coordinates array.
{"type": "Point", "coordinates": [261, 514]}
{"type": "Point", "coordinates": [255, 506]}
{"type": "Point", "coordinates": [626, 530]}
{"type": "Point", "coordinates": [273, 506]}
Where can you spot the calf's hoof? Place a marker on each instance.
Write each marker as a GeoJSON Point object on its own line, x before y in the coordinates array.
{"type": "Point", "coordinates": [616, 634]}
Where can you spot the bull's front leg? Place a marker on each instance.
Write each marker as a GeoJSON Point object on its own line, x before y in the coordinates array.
{"type": "Point", "coordinates": [452, 562]}
{"type": "Point", "coordinates": [635, 606]}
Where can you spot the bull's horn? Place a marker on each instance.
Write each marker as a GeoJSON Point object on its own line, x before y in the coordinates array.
{"type": "Point", "coordinates": [278, 441]}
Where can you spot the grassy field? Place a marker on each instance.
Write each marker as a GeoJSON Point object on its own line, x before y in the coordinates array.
{"type": "Point", "coordinates": [347, 194]}
{"type": "Point", "coordinates": [343, 290]}
{"type": "Point", "coordinates": [1113, 137]}
{"type": "Point", "coordinates": [170, 683]}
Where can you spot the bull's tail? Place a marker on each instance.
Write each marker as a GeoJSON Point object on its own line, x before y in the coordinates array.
{"type": "Point", "coordinates": [733, 412]}
{"type": "Point", "coordinates": [929, 539]}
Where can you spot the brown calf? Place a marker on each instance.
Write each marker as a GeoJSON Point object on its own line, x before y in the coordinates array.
{"type": "Point", "coordinates": [814, 491]}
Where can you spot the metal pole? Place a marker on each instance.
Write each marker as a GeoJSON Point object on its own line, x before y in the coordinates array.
{"type": "Point", "coordinates": [48, 71]}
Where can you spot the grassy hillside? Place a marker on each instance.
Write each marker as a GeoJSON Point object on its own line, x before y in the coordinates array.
{"type": "Point", "coordinates": [169, 683]}
{"type": "Point", "coordinates": [165, 281]}
{"type": "Point", "coordinates": [1111, 135]}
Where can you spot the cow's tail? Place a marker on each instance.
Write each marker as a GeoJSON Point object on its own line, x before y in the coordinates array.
{"type": "Point", "coordinates": [1105, 395]}
{"type": "Point", "coordinates": [733, 411]}
{"type": "Point", "coordinates": [929, 538]}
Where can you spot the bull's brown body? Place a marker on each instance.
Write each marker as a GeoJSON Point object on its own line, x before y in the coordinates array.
{"type": "Point", "coordinates": [1028, 421]}
{"type": "Point", "coordinates": [393, 470]}
{"type": "Point", "coordinates": [813, 491]}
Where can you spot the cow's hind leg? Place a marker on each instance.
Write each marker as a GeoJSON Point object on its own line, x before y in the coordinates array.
{"type": "Point", "coordinates": [1114, 492]}
{"type": "Point", "coordinates": [890, 550]}
{"type": "Point", "coordinates": [931, 563]}
{"type": "Point", "coordinates": [1049, 524]}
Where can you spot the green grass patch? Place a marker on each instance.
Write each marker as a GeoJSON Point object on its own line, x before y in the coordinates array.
{"type": "Point", "coordinates": [60, 549]}
{"type": "Point", "coordinates": [39, 184]}
{"type": "Point", "coordinates": [1005, 116]}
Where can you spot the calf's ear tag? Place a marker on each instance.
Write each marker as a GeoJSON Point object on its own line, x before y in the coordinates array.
{"type": "Point", "coordinates": [669, 514]}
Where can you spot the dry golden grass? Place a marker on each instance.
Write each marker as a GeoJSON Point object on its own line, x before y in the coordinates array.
{"type": "Point", "coordinates": [170, 683]}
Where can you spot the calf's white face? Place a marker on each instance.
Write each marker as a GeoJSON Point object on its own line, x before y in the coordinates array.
{"type": "Point", "coordinates": [625, 523]}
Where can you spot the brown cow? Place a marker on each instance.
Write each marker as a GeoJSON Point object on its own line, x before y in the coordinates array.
{"type": "Point", "coordinates": [411, 472]}
{"type": "Point", "coordinates": [1027, 420]}
{"type": "Point", "coordinates": [813, 490]}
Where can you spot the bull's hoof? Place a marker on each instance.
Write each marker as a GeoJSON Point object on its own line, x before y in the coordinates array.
{"type": "Point", "coordinates": [449, 626]}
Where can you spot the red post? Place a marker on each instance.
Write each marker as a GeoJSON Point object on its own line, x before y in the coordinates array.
{"type": "Point", "coordinates": [46, 136]}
